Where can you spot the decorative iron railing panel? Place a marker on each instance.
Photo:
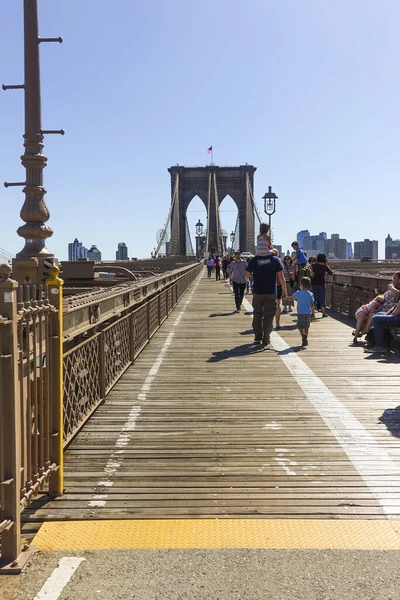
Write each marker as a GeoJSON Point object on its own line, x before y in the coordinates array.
{"type": "Point", "coordinates": [163, 306]}
{"type": "Point", "coordinates": [82, 384]}
{"type": "Point", "coordinates": [153, 316]}
{"type": "Point", "coordinates": [140, 330]}
{"type": "Point", "coordinates": [117, 350]}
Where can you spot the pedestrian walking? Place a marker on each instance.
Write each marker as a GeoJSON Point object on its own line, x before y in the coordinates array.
{"type": "Point", "coordinates": [266, 271]}
{"type": "Point", "coordinates": [237, 270]}
{"type": "Point", "coordinates": [209, 265]}
{"type": "Point", "coordinates": [217, 264]}
{"type": "Point", "coordinates": [305, 309]}
{"type": "Point", "coordinates": [320, 269]}
{"type": "Point", "coordinates": [288, 273]}
{"type": "Point", "coordinates": [225, 265]}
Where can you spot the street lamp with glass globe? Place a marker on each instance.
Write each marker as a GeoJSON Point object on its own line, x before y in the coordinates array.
{"type": "Point", "coordinates": [232, 238]}
{"type": "Point", "coordinates": [199, 227]}
{"type": "Point", "coordinates": [269, 204]}
{"type": "Point", "coordinates": [199, 233]}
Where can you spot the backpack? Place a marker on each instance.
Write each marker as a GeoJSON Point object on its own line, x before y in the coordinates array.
{"type": "Point", "coordinates": [304, 270]}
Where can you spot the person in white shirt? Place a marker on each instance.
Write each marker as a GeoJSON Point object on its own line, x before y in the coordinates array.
{"type": "Point", "coordinates": [237, 270]}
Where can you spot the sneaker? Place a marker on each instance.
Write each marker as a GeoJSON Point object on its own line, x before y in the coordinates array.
{"type": "Point", "coordinates": [257, 341]}
{"type": "Point", "coordinates": [304, 341]}
{"type": "Point", "coordinates": [284, 311]}
{"type": "Point", "coordinates": [324, 315]}
{"type": "Point", "coordinates": [266, 343]}
{"type": "Point", "coordinates": [278, 326]}
{"type": "Point", "coordinates": [355, 342]}
{"type": "Point", "coordinates": [238, 310]}
{"type": "Point", "coordinates": [375, 350]}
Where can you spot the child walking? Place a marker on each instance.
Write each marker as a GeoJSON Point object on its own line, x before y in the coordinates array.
{"type": "Point", "coordinates": [305, 308]}
{"type": "Point", "coordinates": [364, 316]}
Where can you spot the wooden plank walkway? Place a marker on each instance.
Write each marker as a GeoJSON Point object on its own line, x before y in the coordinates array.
{"type": "Point", "coordinates": [206, 424]}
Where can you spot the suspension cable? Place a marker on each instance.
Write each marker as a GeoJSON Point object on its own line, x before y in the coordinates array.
{"type": "Point", "coordinates": [250, 192]}
{"type": "Point", "coordinates": [175, 193]}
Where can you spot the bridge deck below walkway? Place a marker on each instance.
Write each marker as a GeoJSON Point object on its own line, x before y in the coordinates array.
{"type": "Point", "coordinates": [206, 424]}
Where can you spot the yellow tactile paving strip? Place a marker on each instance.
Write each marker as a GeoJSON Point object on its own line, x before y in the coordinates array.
{"type": "Point", "coordinates": [225, 533]}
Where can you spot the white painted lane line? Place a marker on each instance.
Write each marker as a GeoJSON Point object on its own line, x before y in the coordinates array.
{"type": "Point", "coordinates": [59, 578]}
{"type": "Point", "coordinates": [350, 433]}
{"type": "Point", "coordinates": [116, 457]}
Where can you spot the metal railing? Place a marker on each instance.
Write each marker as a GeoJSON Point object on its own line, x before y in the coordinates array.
{"type": "Point", "coordinates": [58, 362]}
{"type": "Point", "coordinates": [347, 292]}
{"type": "Point", "coordinates": [30, 399]}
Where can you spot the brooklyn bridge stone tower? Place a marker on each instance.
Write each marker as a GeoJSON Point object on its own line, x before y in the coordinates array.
{"type": "Point", "coordinates": [212, 184]}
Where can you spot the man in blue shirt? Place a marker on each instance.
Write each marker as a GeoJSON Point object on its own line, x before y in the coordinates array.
{"type": "Point", "coordinates": [300, 257]}
{"type": "Point", "coordinates": [266, 271]}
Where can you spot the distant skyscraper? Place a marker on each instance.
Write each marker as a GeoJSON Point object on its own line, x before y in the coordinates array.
{"type": "Point", "coordinates": [94, 253]}
{"type": "Point", "coordinates": [335, 247]}
{"type": "Point", "coordinates": [76, 250]}
{"type": "Point", "coordinates": [392, 247]}
{"type": "Point", "coordinates": [349, 252]}
{"type": "Point", "coordinates": [122, 252]}
{"type": "Point", "coordinates": [367, 248]}
{"type": "Point", "coordinates": [314, 244]}
{"type": "Point", "coordinates": [301, 235]}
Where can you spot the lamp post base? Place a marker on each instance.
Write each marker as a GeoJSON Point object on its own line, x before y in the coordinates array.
{"type": "Point", "coordinates": [32, 270]}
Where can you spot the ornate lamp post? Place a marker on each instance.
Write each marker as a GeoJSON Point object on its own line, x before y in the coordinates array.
{"type": "Point", "coordinates": [34, 211]}
{"type": "Point", "coordinates": [199, 233]}
{"type": "Point", "coordinates": [232, 238]}
{"type": "Point", "coordinates": [199, 228]}
{"type": "Point", "coordinates": [270, 204]}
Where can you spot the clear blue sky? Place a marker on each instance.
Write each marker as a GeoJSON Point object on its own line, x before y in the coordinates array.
{"type": "Point", "coordinates": [306, 90]}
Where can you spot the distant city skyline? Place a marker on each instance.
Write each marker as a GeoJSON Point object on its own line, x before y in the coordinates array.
{"type": "Point", "coordinates": [311, 243]}
{"type": "Point", "coordinates": [340, 247]}
{"type": "Point", "coordinates": [76, 251]}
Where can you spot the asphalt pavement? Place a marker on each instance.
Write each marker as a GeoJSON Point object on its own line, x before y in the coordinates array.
{"type": "Point", "coordinates": [235, 574]}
